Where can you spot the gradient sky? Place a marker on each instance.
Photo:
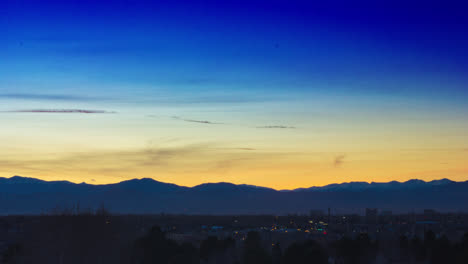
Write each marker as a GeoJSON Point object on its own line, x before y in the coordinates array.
{"type": "Point", "coordinates": [282, 94]}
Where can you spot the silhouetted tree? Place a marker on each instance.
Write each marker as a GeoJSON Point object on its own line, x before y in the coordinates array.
{"type": "Point", "coordinates": [429, 237]}
{"type": "Point", "coordinates": [462, 250]}
{"type": "Point", "coordinates": [417, 249]}
{"type": "Point", "coordinates": [185, 254]}
{"type": "Point", "coordinates": [208, 247]}
{"type": "Point", "coordinates": [358, 251]}
{"type": "Point", "coordinates": [276, 253]}
{"type": "Point", "coordinates": [155, 248]}
{"type": "Point", "coordinates": [305, 253]}
{"type": "Point", "coordinates": [254, 253]}
{"type": "Point", "coordinates": [212, 248]}
{"type": "Point", "coordinates": [404, 245]}
{"type": "Point", "coordinates": [442, 252]}
{"type": "Point", "coordinates": [11, 253]}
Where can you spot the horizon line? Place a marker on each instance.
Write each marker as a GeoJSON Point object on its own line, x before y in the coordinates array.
{"type": "Point", "coordinates": [236, 184]}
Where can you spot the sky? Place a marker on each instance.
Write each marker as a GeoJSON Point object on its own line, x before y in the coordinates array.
{"type": "Point", "coordinates": [282, 94]}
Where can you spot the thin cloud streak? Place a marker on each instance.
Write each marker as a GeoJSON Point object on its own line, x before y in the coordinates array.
{"type": "Point", "coordinates": [278, 127]}
{"type": "Point", "coordinates": [219, 123]}
{"type": "Point", "coordinates": [436, 149]}
{"type": "Point", "coordinates": [48, 97]}
{"type": "Point", "coordinates": [196, 121]}
{"type": "Point", "coordinates": [239, 148]}
{"type": "Point", "coordinates": [245, 148]}
{"type": "Point", "coordinates": [62, 111]}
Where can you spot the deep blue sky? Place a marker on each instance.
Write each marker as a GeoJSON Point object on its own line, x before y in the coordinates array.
{"type": "Point", "coordinates": [269, 45]}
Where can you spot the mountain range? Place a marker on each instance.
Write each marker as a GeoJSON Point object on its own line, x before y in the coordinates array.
{"type": "Point", "coordinates": [22, 195]}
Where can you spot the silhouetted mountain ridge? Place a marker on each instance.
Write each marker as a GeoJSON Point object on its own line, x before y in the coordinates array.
{"type": "Point", "coordinates": [359, 186]}
{"type": "Point", "coordinates": [22, 195]}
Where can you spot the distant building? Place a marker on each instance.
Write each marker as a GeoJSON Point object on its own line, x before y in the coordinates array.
{"type": "Point", "coordinates": [387, 213]}
{"type": "Point", "coordinates": [385, 217]}
{"type": "Point", "coordinates": [371, 216]}
{"type": "Point", "coordinates": [316, 213]}
{"type": "Point", "coordinates": [429, 214]}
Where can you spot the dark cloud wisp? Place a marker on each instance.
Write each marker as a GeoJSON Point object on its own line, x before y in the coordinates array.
{"type": "Point", "coordinates": [64, 111]}
{"type": "Point", "coordinates": [47, 97]}
{"type": "Point", "coordinates": [338, 161]}
{"type": "Point", "coordinates": [196, 121]}
{"type": "Point", "coordinates": [278, 127]}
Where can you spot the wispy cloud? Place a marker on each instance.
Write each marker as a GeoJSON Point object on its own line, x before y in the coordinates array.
{"type": "Point", "coordinates": [107, 161]}
{"type": "Point", "coordinates": [239, 148]}
{"type": "Point", "coordinates": [436, 149]}
{"type": "Point", "coordinates": [111, 165]}
{"type": "Point", "coordinates": [338, 161]}
{"type": "Point", "coordinates": [245, 148]}
{"type": "Point", "coordinates": [196, 121]}
{"type": "Point", "coordinates": [64, 111]}
{"type": "Point", "coordinates": [278, 127]}
{"type": "Point", "coordinates": [47, 97]}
